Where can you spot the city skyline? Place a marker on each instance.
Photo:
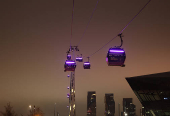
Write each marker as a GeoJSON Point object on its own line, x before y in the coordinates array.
{"type": "Point", "coordinates": [35, 36]}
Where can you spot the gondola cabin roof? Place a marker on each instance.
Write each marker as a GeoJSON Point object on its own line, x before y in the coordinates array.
{"type": "Point", "coordinates": [70, 62]}
{"type": "Point", "coordinates": [86, 63]}
{"type": "Point", "coordinates": [116, 50]}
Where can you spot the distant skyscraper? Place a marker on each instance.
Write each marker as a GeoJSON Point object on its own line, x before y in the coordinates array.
{"type": "Point", "coordinates": [129, 109]}
{"type": "Point", "coordinates": [55, 110]}
{"type": "Point", "coordinates": [91, 103]}
{"type": "Point", "coordinates": [119, 109]}
{"type": "Point", "coordinates": [143, 111]}
{"type": "Point", "coordinates": [109, 105]}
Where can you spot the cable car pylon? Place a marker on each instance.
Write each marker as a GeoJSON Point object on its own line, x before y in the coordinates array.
{"type": "Point", "coordinates": [70, 66]}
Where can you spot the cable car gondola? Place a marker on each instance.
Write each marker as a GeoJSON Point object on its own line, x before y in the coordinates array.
{"type": "Point", "coordinates": [69, 65]}
{"type": "Point", "coordinates": [116, 56]}
{"type": "Point", "coordinates": [87, 65]}
{"type": "Point", "coordinates": [79, 59]}
{"type": "Point", "coordinates": [68, 57]}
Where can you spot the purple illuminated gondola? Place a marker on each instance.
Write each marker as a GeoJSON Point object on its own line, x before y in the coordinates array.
{"type": "Point", "coordinates": [79, 59]}
{"type": "Point", "coordinates": [68, 95]}
{"type": "Point", "coordinates": [68, 57]}
{"type": "Point", "coordinates": [86, 65]}
{"type": "Point", "coordinates": [116, 57]}
{"type": "Point", "coordinates": [70, 65]}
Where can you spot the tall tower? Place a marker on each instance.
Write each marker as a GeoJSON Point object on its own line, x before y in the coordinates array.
{"type": "Point", "coordinates": [91, 103]}
{"type": "Point", "coordinates": [109, 105]}
{"type": "Point", "coordinates": [72, 110]}
{"type": "Point", "coordinates": [119, 109]}
{"type": "Point", "coordinates": [126, 104]}
{"type": "Point", "coordinates": [55, 109]}
{"type": "Point", "coordinates": [129, 108]}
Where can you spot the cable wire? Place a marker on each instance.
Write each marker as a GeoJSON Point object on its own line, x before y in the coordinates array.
{"type": "Point", "coordinates": [88, 23]}
{"type": "Point", "coordinates": [72, 24]}
{"type": "Point", "coordinates": [122, 29]}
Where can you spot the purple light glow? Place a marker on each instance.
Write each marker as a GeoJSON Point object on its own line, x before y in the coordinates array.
{"type": "Point", "coordinates": [79, 58]}
{"type": "Point", "coordinates": [67, 96]}
{"type": "Point", "coordinates": [120, 51]}
{"type": "Point", "coordinates": [68, 87]}
{"type": "Point", "coordinates": [106, 59]}
{"type": "Point", "coordinates": [70, 62]}
{"type": "Point", "coordinates": [68, 75]}
{"type": "Point", "coordinates": [87, 63]}
{"type": "Point", "coordinates": [67, 106]}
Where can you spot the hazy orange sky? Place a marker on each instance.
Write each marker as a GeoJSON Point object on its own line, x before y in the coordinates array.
{"type": "Point", "coordinates": [35, 35]}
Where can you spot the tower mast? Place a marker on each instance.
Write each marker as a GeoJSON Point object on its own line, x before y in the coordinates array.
{"type": "Point", "coordinates": [72, 110]}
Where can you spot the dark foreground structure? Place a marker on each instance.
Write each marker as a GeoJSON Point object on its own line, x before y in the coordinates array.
{"type": "Point", "coordinates": [153, 91]}
{"type": "Point", "coordinates": [91, 103]}
{"type": "Point", "coordinates": [109, 104]}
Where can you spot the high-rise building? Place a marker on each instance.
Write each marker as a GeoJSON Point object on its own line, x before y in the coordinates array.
{"type": "Point", "coordinates": [91, 103]}
{"type": "Point", "coordinates": [109, 105]}
{"type": "Point", "coordinates": [153, 91]}
{"type": "Point", "coordinates": [129, 109]}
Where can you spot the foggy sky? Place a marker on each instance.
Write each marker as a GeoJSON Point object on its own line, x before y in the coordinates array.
{"type": "Point", "coordinates": [35, 35]}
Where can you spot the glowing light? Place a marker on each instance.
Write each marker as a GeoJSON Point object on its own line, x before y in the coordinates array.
{"type": "Point", "coordinates": [86, 63]}
{"type": "Point", "coordinates": [125, 113]}
{"type": "Point", "coordinates": [70, 62]}
{"type": "Point", "coordinates": [29, 106]}
{"type": "Point", "coordinates": [79, 58]}
{"type": "Point", "coordinates": [68, 87]}
{"type": "Point", "coordinates": [120, 51]}
{"type": "Point", "coordinates": [74, 106]}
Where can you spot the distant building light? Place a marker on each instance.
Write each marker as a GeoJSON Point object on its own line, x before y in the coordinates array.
{"type": "Point", "coordinates": [108, 112]}
{"type": "Point", "coordinates": [165, 98]}
{"type": "Point", "coordinates": [125, 114]}
{"type": "Point", "coordinates": [74, 106]}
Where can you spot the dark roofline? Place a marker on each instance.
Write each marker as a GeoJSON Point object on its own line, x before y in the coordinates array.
{"type": "Point", "coordinates": [163, 74]}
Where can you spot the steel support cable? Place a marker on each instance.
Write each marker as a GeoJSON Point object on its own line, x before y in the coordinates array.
{"type": "Point", "coordinates": [72, 24]}
{"type": "Point", "coordinates": [88, 23]}
{"type": "Point", "coordinates": [122, 29]}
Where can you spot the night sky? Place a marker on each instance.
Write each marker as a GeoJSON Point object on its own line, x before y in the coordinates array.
{"type": "Point", "coordinates": [35, 35]}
